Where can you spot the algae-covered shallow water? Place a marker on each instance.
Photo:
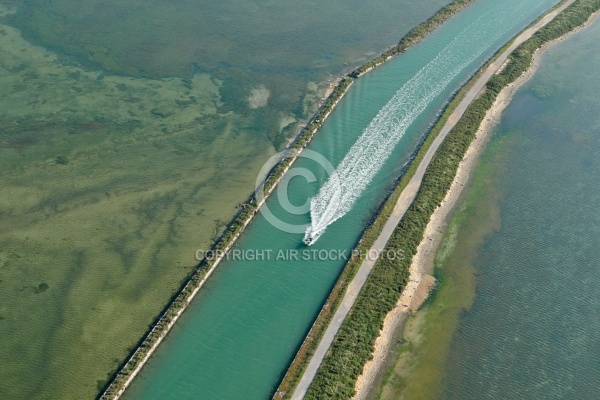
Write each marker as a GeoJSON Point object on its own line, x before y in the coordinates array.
{"type": "Point", "coordinates": [516, 315]}
{"type": "Point", "coordinates": [243, 329]}
{"type": "Point", "coordinates": [128, 134]}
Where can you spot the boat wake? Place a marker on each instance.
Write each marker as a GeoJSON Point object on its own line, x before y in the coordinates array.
{"type": "Point", "coordinates": [366, 157]}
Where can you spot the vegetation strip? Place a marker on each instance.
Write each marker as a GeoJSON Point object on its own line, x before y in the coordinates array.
{"type": "Point", "coordinates": [353, 344]}
{"type": "Point", "coordinates": [161, 326]}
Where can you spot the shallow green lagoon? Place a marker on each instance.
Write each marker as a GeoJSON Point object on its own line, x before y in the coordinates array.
{"type": "Point", "coordinates": [239, 335]}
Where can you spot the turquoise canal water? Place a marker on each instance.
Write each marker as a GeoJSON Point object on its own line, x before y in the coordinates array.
{"type": "Point", "coordinates": [243, 329]}
{"type": "Point", "coordinates": [532, 332]}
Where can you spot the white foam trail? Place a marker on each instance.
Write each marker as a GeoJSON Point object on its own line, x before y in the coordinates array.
{"type": "Point", "coordinates": [337, 196]}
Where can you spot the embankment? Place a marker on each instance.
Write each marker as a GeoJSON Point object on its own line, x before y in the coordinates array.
{"type": "Point", "coordinates": [411, 297]}
{"type": "Point", "coordinates": [434, 234]}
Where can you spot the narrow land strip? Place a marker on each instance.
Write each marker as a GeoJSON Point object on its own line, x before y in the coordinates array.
{"type": "Point", "coordinates": [435, 229]}
{"type": "Point", "coordinates": [403, 203]}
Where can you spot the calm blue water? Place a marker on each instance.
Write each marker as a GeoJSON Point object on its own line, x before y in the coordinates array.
{"type": "Point", "coordinates": [533, 331]}
{"type": "Point", "coordinates": [239, 335]}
